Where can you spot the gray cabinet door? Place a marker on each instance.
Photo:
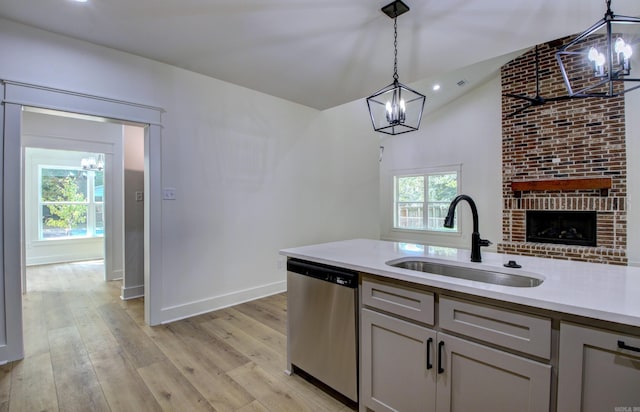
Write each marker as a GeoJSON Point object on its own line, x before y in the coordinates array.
{"type": "Point", "coordinates": [474, 377]}
{"type": "Point", "coordinates": [396, 374]}
{"type": "Point", "coordinates": [598, 370]}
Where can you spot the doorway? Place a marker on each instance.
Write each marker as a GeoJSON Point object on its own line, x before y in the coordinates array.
{"type": "Point", "coordinates": [20, 95]}
{"type": "Point", "coordinates": [100, 195]}
{"type": "Point", "coordinates": [51, 143]}
{"type": "Point", "coordinates": [64, 207]}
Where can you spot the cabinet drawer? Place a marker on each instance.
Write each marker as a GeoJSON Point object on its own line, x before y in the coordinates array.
{"type": "Point", "coordinates": [524, 333]}
{"type": "Point", "coordinates": [408, 303]}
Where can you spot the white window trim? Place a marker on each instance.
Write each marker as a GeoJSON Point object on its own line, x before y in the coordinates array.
{"type": "Point", "coordinates": [90, 203]}
{"type": "Point", "coordinates": [457, 168]}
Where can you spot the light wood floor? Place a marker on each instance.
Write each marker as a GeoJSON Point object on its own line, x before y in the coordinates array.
{"type": "Point", "coordinates": [87, 350]}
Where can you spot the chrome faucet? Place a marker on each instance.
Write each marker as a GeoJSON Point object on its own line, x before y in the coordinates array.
{"type": "Point", "coordinates": [476, 242]}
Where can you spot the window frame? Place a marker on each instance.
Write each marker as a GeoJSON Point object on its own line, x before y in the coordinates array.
{"type": "Point", "coordinates": [442, 170]}
{"type": "Point", "coordinates": [91, 204]}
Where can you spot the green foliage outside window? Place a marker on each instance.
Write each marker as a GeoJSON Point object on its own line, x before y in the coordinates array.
{"type": "Point", "coordinates": [443, 188]}
{"type": "Point", "coordinates": [411, 189]}
{"type": "Point", "coordinates": [421, 201]}
{"type": "Point", "coordinates": [64, 189]}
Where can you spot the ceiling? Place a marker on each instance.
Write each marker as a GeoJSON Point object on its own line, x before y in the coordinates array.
{"type": "Point", "coordinates": [319, 53]}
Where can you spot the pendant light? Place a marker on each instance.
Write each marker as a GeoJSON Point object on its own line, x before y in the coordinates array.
{"type": "Point", "coordinates": [396, 108]}
{"type": "Point", "coordinates": [597, 63]}
{"type": "Point", "coordinates": [90, 163]}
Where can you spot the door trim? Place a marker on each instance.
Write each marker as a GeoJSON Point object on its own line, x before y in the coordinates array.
{"type": "Point", "coordinates": [14, 96]}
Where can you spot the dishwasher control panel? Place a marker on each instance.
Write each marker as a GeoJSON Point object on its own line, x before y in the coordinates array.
{"type": "Point", "coordinates": [328, 273]}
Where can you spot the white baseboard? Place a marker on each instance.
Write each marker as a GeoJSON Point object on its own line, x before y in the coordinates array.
{"type": "Point", "coordinates": [132, 292]}
{"type": "Point", "coordinates": [188, 310]}
{"type": "Point", "coordinates": [54, 259]}
{"type": "Point", "coordinates": [116, 274]}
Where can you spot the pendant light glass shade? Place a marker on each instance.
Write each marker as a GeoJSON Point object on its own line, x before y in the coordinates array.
{"type": "Point", "coordinates": [600, 62]}
{"type": "Point", "coordinates": [396, 108]}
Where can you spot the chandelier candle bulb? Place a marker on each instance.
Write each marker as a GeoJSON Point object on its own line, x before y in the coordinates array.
{"type": "Point", "coordinates": [85, 163]}
{"type": "Point", "coordinates": [598, 60]}
{"type": "Point", "coordinates": [623, 54]}
{"type": "Point", "coordinates": [396, 112]}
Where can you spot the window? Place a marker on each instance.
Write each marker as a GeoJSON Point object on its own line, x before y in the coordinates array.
{"type": "Point", "coordinates": [421, 201]}
{"type": "Point", "coordinates": [71, 203]}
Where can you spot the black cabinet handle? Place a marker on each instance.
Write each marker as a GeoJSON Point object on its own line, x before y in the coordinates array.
{"type": "Point", "coordinates": [429, 342]}
{"type": "Point", "coordinates": [440, 346]}
{"type": "Point", "coordinates": [622, 345]}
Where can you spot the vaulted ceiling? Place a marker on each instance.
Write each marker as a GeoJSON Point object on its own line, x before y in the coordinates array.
{"type": "Point", "coordinates": [320, 53]}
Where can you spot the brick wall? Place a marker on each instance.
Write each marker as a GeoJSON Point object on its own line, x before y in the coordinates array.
{"type": "Point", "coordinates": [567, 139]}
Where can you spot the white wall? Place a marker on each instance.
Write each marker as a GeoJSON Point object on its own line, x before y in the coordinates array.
{"type": "Point", "coordinates": [632, 107]}
{"type": "Point", "coordinates": [253, 173]}
{"type": "Point", "coordinates": [467, 133]}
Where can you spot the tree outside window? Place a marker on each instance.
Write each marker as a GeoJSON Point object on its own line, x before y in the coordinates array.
{"type": "Point", "coordinates": [422, 201]}
{"type": "Point", "coordinates": [71, 203]}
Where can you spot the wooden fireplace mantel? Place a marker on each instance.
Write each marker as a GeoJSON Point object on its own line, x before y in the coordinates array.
{"type": "Point", "coordinates": [598, 183]}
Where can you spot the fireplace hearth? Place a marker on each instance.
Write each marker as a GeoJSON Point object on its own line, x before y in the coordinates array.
{"type": "Point", "coordinates": [561, 227]}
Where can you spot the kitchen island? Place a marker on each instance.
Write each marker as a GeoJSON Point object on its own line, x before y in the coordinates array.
{"type": "Point", "coordinates": [570, 343]}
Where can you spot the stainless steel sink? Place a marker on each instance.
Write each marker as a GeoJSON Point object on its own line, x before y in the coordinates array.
{"type": "Point", "coordinates": [478, 275]}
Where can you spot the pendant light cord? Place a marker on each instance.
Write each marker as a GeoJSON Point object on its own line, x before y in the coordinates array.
{"type": "Point", "coordinates": [395, 49]}
{"type": "Point", "coordinates": [609, 14]}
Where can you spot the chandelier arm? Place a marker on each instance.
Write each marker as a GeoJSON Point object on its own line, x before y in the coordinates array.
{"type": "Point", "coordinates": [584, 34]}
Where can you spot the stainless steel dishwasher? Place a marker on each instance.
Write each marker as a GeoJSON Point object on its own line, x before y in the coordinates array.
{"type": "Point", "coordinates": [322, 304]}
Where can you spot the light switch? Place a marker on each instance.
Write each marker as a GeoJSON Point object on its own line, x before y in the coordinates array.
{"type": "Point", "coordinates": [139, 196]}
{"type": "Point", "coordinates": [169, 193]}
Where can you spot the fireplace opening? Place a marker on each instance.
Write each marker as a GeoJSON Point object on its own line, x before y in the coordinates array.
{"type": "Point", "coordinates": [562, 227]}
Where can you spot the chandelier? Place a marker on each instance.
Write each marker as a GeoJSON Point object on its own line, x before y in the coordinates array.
{"type": "Point", "coordinates": [91, 163]}
{"type": "Point", "coordinates": [597, 63]}
{"type": "Point", "coordinates": [396, 108]}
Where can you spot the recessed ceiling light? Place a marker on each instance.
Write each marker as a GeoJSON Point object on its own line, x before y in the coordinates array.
{"type": "Point", "coordinates": [436, 87]}
{"type": "Point", "coordinates": [80, 1]}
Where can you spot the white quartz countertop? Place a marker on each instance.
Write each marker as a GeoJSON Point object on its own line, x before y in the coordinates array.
{"type": "Point", "coordinates": [599, 291]}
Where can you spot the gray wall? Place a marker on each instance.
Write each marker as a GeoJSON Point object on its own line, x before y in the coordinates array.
{"type": "Point", "coordinates": [133, 285]}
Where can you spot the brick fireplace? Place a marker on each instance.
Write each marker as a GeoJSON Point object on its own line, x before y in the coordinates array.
{"type": "Point", "coordinates": [567, 155]}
